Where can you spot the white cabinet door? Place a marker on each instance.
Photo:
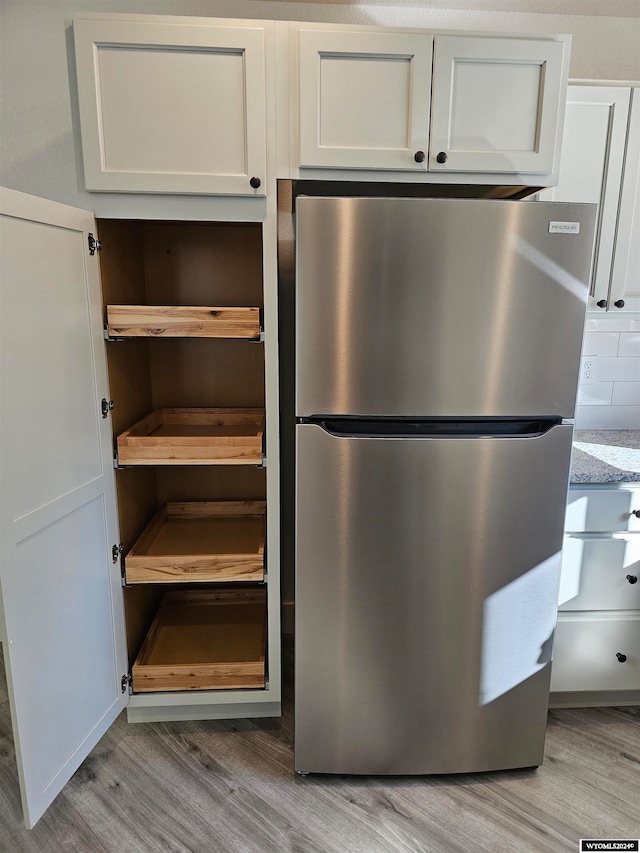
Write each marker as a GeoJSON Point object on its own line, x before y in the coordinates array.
{"type": "Point", "coordinates": [600, 572]}
{"type": "Point", "coordinates": [64, 639]}
{"type": "Point", "coordinates": [603, 509]}
{"type": "Point", "coordinates": [599, 651]}
{"type": "Point", "coordinates": [591, 168]}
{"type": "Point", "coordinates": [625, 276]}
{"type": "Point", "coordinates": [364, 99]}
{"type": "Point", "coordinates": [497, 104]}
{"type": "Point", "coordinates": [171, 107]}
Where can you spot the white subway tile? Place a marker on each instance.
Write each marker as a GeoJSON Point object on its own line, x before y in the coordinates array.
{"type": "Point", "coordinates": [602, 344]}
{"type": "Point", "coordinates": [610, 369]}
{"type": "Point", "coordinates": [595, 393]}
{"type": "Point", "coordinates": [612, 324]}
{"type": "Point", "coordinates": [608, 417]}
{"type": "Point", "coordinates": [626, 394]}
{"type": "Point", "coordinates": [629, 344]}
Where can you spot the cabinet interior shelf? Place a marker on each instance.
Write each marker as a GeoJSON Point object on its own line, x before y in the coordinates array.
{"type": "Point", "coordinates": [201, 541]}
{"type": "Point", "coordinates": [204, 641]}
{"type": "Point", "coordinates": [182, 321]}
{"type": "Point", "coordinates": [194, 437]}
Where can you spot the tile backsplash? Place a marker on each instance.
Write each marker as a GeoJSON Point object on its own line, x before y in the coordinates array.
{"type": "Point", "coordinates": [609, 390]}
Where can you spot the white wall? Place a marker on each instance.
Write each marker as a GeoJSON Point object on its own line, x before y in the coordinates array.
{"type": "Point", "coordinates": [38, 113]}
{"type": "Point", "coordinates": [609, 391]}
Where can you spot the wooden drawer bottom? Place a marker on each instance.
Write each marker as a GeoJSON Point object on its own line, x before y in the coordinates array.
{"type": "Point", "coordinates": [586, 649]}
{"type": "Point", "coordinates": [204, 641]}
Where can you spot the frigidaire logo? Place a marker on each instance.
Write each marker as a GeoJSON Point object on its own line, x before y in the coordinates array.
{"type": "Point", "coordinates": [564, 228]}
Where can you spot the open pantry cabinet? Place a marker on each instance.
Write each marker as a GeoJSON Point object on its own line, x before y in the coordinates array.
{"type": "Point", "coordinates": [139, 465]}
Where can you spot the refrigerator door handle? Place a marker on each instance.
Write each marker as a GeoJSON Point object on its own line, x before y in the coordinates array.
{"type": "Point", "coordinates": [407, 428]}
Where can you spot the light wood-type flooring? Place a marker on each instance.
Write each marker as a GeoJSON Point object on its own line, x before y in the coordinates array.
{"type": "Point", "coordinates": [228, 787]}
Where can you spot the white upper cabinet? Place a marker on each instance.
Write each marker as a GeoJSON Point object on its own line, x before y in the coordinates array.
{"type": "Point", "coordinates": [194, 105]}
{"type": "Point", "coordinates": [591, 168]}
{"type": "Point", "coordinates": [625, 275]}
{"type": "Point", "coordinates": [364, 99]}
{"type": "Point", "coordinates": [170, 107]}
{"type": "Point", "coordinates": [497, 104]}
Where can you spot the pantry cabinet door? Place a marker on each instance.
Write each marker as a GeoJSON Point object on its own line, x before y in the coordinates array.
{"type": "Point", "coordinates": [64, 639]}
{"type": "Point", "coordinates": [625, 276]}
{"type": "Point", "coordinates": [591, 164]}
{"type": "Point", "coordinates": [364, 99]}
{"type": "Point", "coordinates": [497, 104]}
{"type": "Point", "coordinates": [171, 107]}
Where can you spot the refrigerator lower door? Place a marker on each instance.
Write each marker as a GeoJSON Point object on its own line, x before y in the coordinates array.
{"type": "Point", "coordinates": [426, 592]}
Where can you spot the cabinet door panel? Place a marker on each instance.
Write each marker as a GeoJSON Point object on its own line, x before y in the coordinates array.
{"type": "Point", "coordinates": [172, 107]}
{"type": "Point", "coordinates": [602, 510]}
{"type": "Point", "coordinates": [45, 463]}
{"type": "Point", "coordinates": [591, 166]}
{"type": "Point", "coordinates": [625, 277]}
{"type": "Point", "coordinates": [594, 573]}
{"type": "Point", "coordinates": [495, 104]}
{"type": "Point", "coordinates": [585, 653]}
{"type": "Point", "coordinates": [364, 99]}
{"type": "Point", "coordinates": [64, 642]}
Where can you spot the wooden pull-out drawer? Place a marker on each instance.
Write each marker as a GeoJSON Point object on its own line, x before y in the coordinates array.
{"type": "Point", "coordinates": [165, 321]}
{"type": "Point", "coordinates": [586, 651]}
{"type": "Point", "coordinates": [597, 510]}
{"type": "Point", "coordinates": [201, 541]}
{"type": "Point", "coordinates": [600, 572]}
{"type": "Point", "coordinates": [204, 641]}
{"type": "Point", "coordinates": [194, 437]}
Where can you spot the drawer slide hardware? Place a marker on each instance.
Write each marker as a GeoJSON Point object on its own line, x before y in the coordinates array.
{"type": "Point", "coordinates": [125, 683]}
{"type": "Point", "coordinates": [260, 337]}
{"type": "Point", "coordinates": [94, 245]}
{"type": "Point", "coordinates": [106, 406]}
{"type": "Point", "coordinates": [107, 336]}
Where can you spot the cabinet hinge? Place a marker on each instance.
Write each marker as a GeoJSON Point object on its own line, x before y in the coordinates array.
{"type": "Point", "coordinates": [106, 406]}
{"type": "Point", "coordinates": [117, 553]}
{"type": "Point", "coordinates": [125, 682]}
{"type": "Point", "coordinates": [94, 245]}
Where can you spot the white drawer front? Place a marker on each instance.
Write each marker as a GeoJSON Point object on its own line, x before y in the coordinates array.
{"type": "Point", "coordinates": [600, 510]}
{"type": "Point", "coordinates": [598, 573]}
{"type": "Point", "coordinates": [585, 652]}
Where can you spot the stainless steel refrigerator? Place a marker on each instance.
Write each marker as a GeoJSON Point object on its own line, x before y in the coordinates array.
{"type": "Point", "coordinates": [437, 359]}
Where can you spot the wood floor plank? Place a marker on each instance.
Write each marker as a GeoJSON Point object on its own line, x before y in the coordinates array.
{"type": "Point", "coordinates": [229, 787]}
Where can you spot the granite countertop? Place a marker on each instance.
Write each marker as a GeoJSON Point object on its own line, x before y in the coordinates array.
{"type": "Point", "coordinates": [606, 456]}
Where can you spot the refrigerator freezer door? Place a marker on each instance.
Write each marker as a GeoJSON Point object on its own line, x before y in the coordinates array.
{"type": "Point", "coordinates": [440, 307]}
{"type": "Point", "coordinates": [427, 580]}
